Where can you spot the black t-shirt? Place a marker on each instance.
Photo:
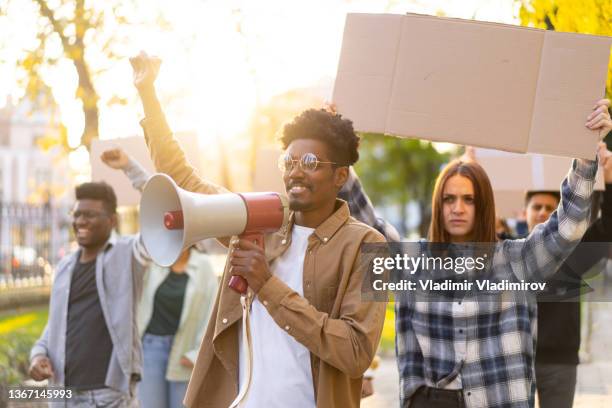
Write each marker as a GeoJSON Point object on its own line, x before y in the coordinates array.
{"type": "Point", "coordinates": [88, 343]}
{"type": "Point", "coordinates": [168, 305]}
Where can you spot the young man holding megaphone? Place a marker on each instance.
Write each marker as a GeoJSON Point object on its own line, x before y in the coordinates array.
{"type": "Point", "coordinates": [311, 337]}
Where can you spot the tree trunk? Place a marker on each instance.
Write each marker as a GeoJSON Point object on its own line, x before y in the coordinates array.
{"type": "Point", "coordinates": [89, 98]}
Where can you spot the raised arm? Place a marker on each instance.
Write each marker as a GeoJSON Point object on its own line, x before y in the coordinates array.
{"type": "Point", "coordinates": [167, 155]}
{"type": "Point", "coordinates": [540, 254]}
{"type": "Point", "coordinates": [601, 230]}
{"type": "Point", "coordinates": [595, 244]}
{"type": "Point", "coordinates": [118, 159]}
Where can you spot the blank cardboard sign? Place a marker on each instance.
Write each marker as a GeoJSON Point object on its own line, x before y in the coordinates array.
{"type": "Point", "coordinates": [467, 82]}
{"type": "Point", "coordinates": [137, 149]}
{"type": "Point", "coordinates": [526, 172]}
{"type": "Point", "coordinates": [512, 175]}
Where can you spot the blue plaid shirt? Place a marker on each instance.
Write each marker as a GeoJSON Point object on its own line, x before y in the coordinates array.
{"type": "Point", "coordinates": [362, 209]}
{"type": "Point", "coordinates": [487, 348]}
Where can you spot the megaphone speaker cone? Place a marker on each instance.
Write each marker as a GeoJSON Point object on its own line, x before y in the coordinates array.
{"type": "Point", "coordinates": [173, 219]}
{"type": "Point", "coordinates": [160, 196]}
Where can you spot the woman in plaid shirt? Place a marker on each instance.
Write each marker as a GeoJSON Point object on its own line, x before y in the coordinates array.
{"type": "Point", "coordinates": [481, 353]}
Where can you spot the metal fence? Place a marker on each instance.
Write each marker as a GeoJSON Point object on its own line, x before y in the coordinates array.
{"type": "Point", "coordinates": [32, 239]}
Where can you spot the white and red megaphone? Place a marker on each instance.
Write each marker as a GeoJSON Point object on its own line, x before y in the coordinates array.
{"type": "Point", "coordinates": [173, 219]}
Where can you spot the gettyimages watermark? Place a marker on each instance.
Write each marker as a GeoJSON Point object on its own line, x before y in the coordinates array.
{"type": "Point", "coordinates": [508, 271]}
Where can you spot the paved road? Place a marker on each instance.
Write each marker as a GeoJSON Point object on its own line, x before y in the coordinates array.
{"type": "Point", "coordinates": [594, 388]}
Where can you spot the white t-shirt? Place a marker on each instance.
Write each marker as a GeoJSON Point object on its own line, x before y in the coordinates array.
{"type": "Point", "coordinates": [281, 373]}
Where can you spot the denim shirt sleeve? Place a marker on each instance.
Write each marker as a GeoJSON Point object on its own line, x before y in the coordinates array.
{"type": "Point", "coordinates": [140, 255]}
{"type": "Point", "coordinates": [40, 347]}
{"type": "Point", "coordinates": [137, 174]}
{"type": "Point", "coordinates": [362, 209]}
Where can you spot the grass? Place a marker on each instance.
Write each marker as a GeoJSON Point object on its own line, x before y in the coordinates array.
{"type": "Point", "coordinates": [19, 329]}
{"type": "Point", "coordinates": [387, 342]}
{"type": "Point", "coordinates": [28, 322]}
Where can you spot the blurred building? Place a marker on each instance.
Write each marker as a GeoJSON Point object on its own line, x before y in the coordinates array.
{"type": "Point", "coordinates": [27, 173]}
{"type": "Point", "coordinates": [35, 196]}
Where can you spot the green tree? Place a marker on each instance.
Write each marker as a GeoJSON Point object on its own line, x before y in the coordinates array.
{"type": "Point", "coordinates": [585, 16]}
{"type": "Point", "coordinates": [90, 35]}
{"type": "Point", "coordinates": [396, 171]}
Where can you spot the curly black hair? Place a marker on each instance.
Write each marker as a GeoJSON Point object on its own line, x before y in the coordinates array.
{"type": "Point", "coordinates": [328, 127]}
{"type": "Point", "coordinates": [98, 191]}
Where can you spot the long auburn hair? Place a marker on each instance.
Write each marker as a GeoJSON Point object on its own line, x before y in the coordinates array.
{"type": "Point", "coordinates": [484, 215]}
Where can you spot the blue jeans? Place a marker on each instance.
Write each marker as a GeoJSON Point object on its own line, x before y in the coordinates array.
{"type": "Point", "coordinates": [154, 390]}
{"type": "Point", "coordinates": [99, 398]}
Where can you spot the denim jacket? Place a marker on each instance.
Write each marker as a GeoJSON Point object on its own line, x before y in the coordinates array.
{"type": "Point", "coordinates": [120, 268]}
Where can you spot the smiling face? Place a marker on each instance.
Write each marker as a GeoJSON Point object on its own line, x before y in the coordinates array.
{"type": "Point", "coordinates": [92, 223]}
{"type": "Point", "coordinates": [458, 208]}
{"type": "Point", "coordinates": [310, 191]}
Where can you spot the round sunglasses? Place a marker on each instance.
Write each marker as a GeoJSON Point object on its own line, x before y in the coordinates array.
{"type": "Point", "coordinates": [308, 162]}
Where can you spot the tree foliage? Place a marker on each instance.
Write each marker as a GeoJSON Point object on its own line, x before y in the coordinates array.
{"type": "Point", "coordinates": [396, 171]}
{"type": "Point", "coordinates": [87, 34]}
{"type": "Point", "coordinates": [585, 16]}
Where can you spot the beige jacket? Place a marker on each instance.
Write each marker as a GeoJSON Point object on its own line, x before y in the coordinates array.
{"type": "Point", "coordinates": [341, 331]}
{"type": "Point", "coordinates": [198, 303]}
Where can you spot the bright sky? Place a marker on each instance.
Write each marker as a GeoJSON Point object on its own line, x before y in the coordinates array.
{"type": "Point", "coordinates": [213, 76]}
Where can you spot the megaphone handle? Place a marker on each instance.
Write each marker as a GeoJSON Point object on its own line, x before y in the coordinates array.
{"type": "Point", "coordinates": [255, 237]}
{"type": "Point", "coordinates": [238, 283]}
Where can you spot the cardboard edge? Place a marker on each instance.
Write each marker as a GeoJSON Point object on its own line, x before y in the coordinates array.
{"type": "Point", "coordinates": [393, 75]}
